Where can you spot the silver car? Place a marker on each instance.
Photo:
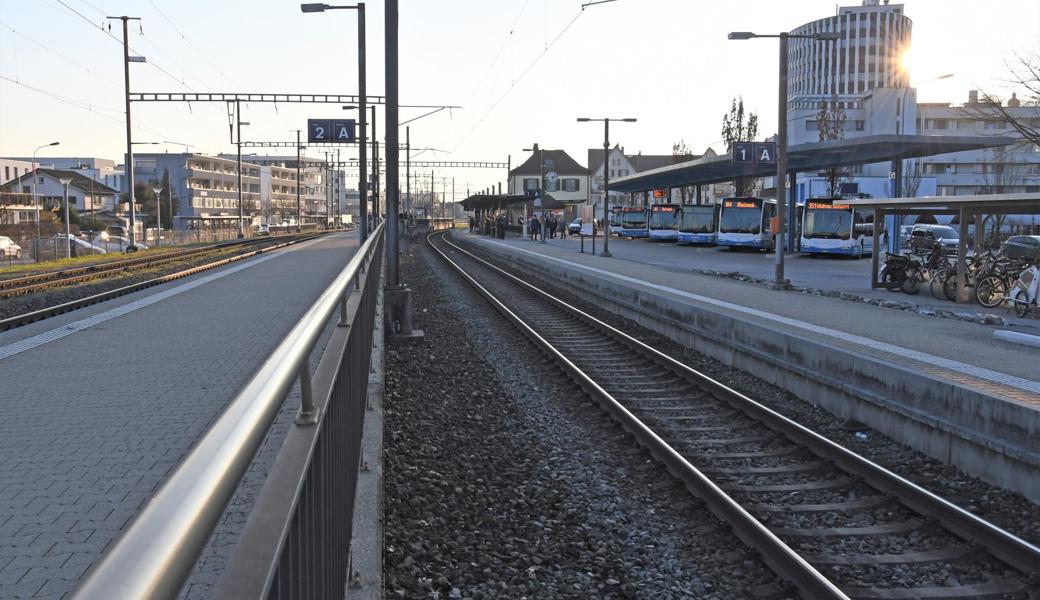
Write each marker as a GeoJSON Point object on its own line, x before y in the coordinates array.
{"type": "Point", "coordinates": [8, 248]}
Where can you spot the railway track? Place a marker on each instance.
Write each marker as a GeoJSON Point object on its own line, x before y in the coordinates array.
{"type": "Point", "coordinates": [38, 282]}
{"type": "Point", "coordinates": [57, 309]}
{"type": "Point", "coordinates": [829, 521]}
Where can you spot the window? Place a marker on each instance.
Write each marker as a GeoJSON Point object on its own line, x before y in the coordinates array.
{"type": "Point", "coordinates": [7, 173]}
{"type": "Point", "coordinates": [812, 125]}
{"type": "Point", "coordinates": [530, 183]}
{"type": "Point", "coordinates": [860, 125]}
{"type": "Point", "coordinates": [571, 184]}
{"type": "Point", "coordinates": [612, 172]}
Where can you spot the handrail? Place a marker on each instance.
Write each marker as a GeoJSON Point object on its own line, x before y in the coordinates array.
{"type": "Point", "coordinates": [157, 552]}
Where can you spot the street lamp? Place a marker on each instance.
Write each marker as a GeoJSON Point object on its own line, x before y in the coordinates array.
{"type": "Point", "coordinates": [35, 175]}
{"type": "Point", "coordinates": [362, 108]}
{"type": "Point", "coordinates": [541, 185]}
{"type": "Point", "coordinates": [65, 181]}
{"type": "Point", "coordinates": [158, 216]}
{"type": "Point", "coordinates": [606, 179]}
{"type": "Point", "coordinates": [779, 281]}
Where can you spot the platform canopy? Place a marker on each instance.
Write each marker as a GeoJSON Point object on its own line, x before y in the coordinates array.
{"type": "Point", "coordinates": [500, 201]}
{"type": "Point", "coordinates": [807, 158]}
{"type": "Point", "coordinates": [981, 203]}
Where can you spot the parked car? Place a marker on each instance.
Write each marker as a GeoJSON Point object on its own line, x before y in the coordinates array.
{"type": "Point", "coordinates": [8, 248]}
{"type": "Point", "coordinates": [263, 229]}
{"type": "Point", "coordinates": [79, 247]}
{"type": "Point", "coordinates": [924, 237]}
{"type": "Point", "coordinates": [575, 227]}
{"type": "Point", "coordinates": [112, 242]}
{"type": "Point", "coordinates": [1024, 247]}
{"type": "Point", "coordinates": [117, 230]}
{"type": "Point", "coordinates": [904, 235]}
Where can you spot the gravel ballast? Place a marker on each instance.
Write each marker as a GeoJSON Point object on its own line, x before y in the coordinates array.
{"type": "Point", "coordinates": [504, 480]}
{"type": "Point", "coordinates": [1008, 510]}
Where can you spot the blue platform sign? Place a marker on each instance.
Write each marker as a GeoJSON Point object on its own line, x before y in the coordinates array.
{"type": "Point", "coordinates": [754, 153]}
{"type": "Point", "coordinates": [330, 131]}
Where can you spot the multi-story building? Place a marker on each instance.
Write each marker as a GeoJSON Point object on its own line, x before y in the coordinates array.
{"type": "Point", "coordinates": [558, 175]}
{"type": "Point", "coordinates": [101, 170]}
{"type": "Point", "coordinates": [205, 188]}
{"type": "Point", "coordinates": [278, 186]}
{"type": "Point", "coordinates": [13, 168]}
{"type": "Point", "coordinates": [85, 194]}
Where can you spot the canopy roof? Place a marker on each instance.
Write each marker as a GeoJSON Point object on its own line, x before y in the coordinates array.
{"type": "Point", "coordinates": [807, 157]}
{"type": "Point", "coordinates": [984, 203]}
{"type": "Point", "coordinates": [496, 201]}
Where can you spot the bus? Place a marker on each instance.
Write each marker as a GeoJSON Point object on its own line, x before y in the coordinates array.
{"type": "Point", "coordinates": [830, 226]}
{"type": "Point", "coordinates": [744, 223]}
{"type": "Point", "coordinates": [664, 218]}
{"type": "Point", "coordinates": [633, 222]}
{"type": "Point", "coordinates": [615, 220]}
{"type": "Point", "coordinates": [698, 224]}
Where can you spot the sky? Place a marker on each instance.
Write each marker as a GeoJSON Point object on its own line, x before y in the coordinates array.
{"type": "Point", "coordinates": [521, 70]}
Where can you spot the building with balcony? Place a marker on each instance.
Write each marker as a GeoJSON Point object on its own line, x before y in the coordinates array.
{"type": "Point", "coordinates": [85, 194]}
{"type": "Point", "coordinates": [101, 170]}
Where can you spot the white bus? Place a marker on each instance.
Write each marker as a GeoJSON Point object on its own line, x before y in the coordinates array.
{"type": "Point", "coordinates": [698, 224]}
{"type": "Point", "coordinates": [745, 222]}
{"type": "Point", "coordinates": [664, 218]}
{"type": "Point", "coordinates": [830, 226]}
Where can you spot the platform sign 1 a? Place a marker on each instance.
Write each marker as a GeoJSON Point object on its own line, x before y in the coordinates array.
{"type": "Point", "coordinates": [754, 153]}
{"type": "Point", "coordinates": [330, 131]}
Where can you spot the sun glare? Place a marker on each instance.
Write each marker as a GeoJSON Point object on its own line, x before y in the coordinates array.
{"type": "Point", "coordinates": [906, 61]}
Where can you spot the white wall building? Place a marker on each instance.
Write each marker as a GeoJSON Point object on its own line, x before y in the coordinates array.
{"type": "Point", "coordinates": [101, 170]}
{"type": "Point", "coordinates": [13, 168]}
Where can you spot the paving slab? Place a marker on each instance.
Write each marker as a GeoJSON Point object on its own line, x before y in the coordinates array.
{"type": "Point", "coordinates": [95, 419]}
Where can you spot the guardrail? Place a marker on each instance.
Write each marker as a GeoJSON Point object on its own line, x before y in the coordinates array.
{"type": "Point", "coordinates": [296, 541]}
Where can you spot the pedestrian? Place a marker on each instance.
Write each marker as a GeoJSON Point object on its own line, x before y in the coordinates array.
{"type": "Point", "coordinates": [563, 229]}
{"type": "Point", "coordinates": [552, 228]}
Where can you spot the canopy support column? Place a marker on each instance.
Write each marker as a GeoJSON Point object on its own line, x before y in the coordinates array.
{"type": "Point", "coordinates": [875, 256]}
{"type": "Point", "coordinates": [894, 221]}
{"type": "Point", "coordinates": [962, 250]}
{"type": "Point", "coordinates": [699, 196]}
{"type": "Point", "coordinates": [792, 212]}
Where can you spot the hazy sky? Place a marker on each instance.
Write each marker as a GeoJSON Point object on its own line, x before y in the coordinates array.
{"type": "Point", "coordinates": [521, 69]}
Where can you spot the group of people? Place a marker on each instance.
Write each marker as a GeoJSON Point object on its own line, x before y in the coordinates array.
{"type": "Point", "coordinates": [547, 227]}
{"type": "Point", "coordinates": [493, 225]}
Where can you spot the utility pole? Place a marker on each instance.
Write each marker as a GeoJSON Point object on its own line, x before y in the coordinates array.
{"type": "Point", "coordinates": [129, 136]}
{"type": "Point", "coordinates": [338, 187]}
{"type": "Point", "coordinates": [362, 124]}
{"type": "Point", "coordinates": [299, 182]}
{"type": "Point", "coordinates": [375, 166]}
{"type": "Point", "coordinates": [238, 142]}
{"type": "Point", "coordinates": [408, 168]}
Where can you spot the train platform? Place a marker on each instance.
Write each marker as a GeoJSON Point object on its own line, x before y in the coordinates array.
{"type": "Point", "coordinates": [101, 403]}
{"type": "Point", "coordinates": [944, 386]}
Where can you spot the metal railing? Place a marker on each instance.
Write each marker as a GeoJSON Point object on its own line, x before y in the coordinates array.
{"type": "Point", "coordinates": [296, 541]}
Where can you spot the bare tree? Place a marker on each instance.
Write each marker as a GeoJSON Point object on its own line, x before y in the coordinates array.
{"type": "Point", "coordinates": [1022, 115]}
{"type": "Point", "coordinates": [681, 153]}
{"type": "Point", "coordinates": [1002, 176]}
{"type": "Point", "coordinates": [911, 180]}
{"type": "Point", "coordinates": [738, 127]}
{"type": "Point", "coordinates": [830, 121]}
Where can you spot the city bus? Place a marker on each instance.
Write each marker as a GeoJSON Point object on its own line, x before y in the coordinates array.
{"type": "Point", "coordinates": [830, 226]}
{"type": "Point", "coordinates": [664, 219]}
{"type": "Point", "coordinates": [615, 220]}
{"type": "Point", "coordinates": [698, 224]}
{"type": "Point", "coordinates": [633, 222]}
{"type": "Point", "coordinates": [744, 223]}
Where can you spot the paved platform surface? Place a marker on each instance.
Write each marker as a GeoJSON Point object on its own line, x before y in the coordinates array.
{"type": "Point", "coordinates": [831, 273]}
{"type": "Point", "coordinates": [99, 404]}
{"type": "Point", "coordinates": [959, 351]}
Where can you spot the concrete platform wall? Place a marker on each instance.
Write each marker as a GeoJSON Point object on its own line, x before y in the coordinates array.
{"type": "Point", "coordinates": [992, 438]}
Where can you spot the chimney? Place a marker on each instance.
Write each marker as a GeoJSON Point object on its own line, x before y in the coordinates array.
{"type": "Point", "coordinates": [973, 96]}
{"type": "Point", "coordinates": [534, 147]}
{"type": "Point", "coordinates": [1014, 102]}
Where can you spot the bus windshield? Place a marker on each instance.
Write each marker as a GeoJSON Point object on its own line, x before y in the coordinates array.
{"type": "Point", "coordinates": [832, 224]}
{"type": "Point", "coordinates": [635, 219]}
{"type": "Point", "coordinates": [741, 220]}
{"type": "Point", "coordinates": [699, 219]}
{"type": "Point", "coordinates": [662, 219]}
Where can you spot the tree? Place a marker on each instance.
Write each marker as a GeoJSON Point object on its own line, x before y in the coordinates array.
{"type": "Point", "coordinates": [144, 194]}
{"type": "Point", "coordinates": [1002, 176]}
{"type": "Point", "coordinates": [168, 200]}
{"type": "Point", "coordinates": [681, 153]}
{"type": "Point", "coordinates": [1024, 72]}
{"type": "Point", "coordinates": [738, 127]}
{"type": "Point", "coordinates": [830, 121]}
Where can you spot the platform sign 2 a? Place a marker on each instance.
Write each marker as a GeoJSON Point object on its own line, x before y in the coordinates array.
{"type": "Point", "coordinates": [330, 131]}
{"type": "Point", "coordinates": [754, 153]}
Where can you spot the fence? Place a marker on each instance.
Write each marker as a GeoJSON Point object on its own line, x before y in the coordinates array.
{"type": "Point", "coordinates": [296, 541]}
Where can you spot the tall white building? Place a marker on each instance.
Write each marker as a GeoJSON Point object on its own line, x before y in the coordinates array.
{"type": "Point", "coordinates": [874, 37]}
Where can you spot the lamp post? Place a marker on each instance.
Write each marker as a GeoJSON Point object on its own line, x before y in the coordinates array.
{"type": "Point", "coordinates": [606, 178]}
{"type": "Point", "coordinates": [35, 176]}
{"type": "Point", "coordinates": [541, 186]}
{"type": "Point", "coordinates": [779, 281]}
{"type": "Point", "coordinates": [158, 216]}
{"type": "Point", "coordinates": [238, 142]}
{"type": "Point", "coordinates": [65, 181]}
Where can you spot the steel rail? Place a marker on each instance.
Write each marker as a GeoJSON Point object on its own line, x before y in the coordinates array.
{"type": "Point", "coordinates": [50, 311]}
{"type": "Point", "coordinates": [157, 551]}
{"type": "Point", "coordinates": [28, 284]}
{"type": "Point", "coordinates": [1006, 546]}
{"type": "Point", "coordinates": [779, 556]}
